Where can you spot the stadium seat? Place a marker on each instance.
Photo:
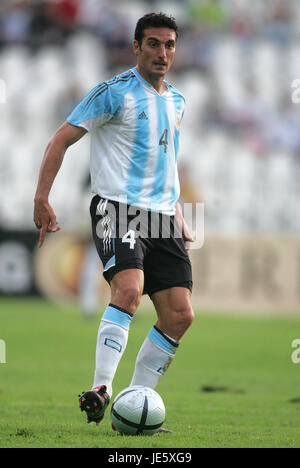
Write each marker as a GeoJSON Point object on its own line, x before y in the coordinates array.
{"type": "Point", "coordinates": [265, 65]}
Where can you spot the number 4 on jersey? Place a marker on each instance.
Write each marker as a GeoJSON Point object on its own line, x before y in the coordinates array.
{"type": "Point", "coordinates": [130, 238]}
{"type": "Point", "coordinates": [164, 140]}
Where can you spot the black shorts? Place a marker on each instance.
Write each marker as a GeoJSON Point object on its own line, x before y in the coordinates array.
{"type": "Point", "coordinates": [127, 237]}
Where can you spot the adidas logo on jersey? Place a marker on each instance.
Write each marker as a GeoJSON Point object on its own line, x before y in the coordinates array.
{"type": "Point", "coordinates": [143, 116]}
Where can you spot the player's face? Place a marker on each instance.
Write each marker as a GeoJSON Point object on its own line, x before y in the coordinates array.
{"type": "Point", "coordinates": [156, 53]}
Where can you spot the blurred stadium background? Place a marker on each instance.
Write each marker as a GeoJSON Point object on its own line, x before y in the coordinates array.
{"type": "Point", "coordinates": [240, 146]}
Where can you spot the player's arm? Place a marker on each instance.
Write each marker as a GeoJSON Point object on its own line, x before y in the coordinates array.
{"type": "Point", "coordinates": [186, 234]}
{"type": "Point", "coordinates": [44, 215]}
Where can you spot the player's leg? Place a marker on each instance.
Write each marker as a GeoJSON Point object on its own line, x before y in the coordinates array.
{"type": "Point", "coordinates": [175, 315]}
{"type": "Point", "coordinates": [126, 291]}
{"type": "Point", "coordinates": [123, 270]}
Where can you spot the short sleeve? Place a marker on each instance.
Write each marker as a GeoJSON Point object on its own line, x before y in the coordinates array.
{"type": "Point", "coordinates": [99, 106]}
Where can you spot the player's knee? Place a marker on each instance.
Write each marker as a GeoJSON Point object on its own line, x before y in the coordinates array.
{"type": "Point", "coordinates": [182, 318]}
{"type": "Point", "coordinates": [128, 297]}
{"type": "Point", "coordinates": [132, 295]}
{"type": "Point", "coordinates": [186, 317]}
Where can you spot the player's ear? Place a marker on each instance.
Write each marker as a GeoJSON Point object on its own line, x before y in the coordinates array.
{"type": "Point", "coordinates": [136, 47]}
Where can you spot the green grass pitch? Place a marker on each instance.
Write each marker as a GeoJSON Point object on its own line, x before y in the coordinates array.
{"type": "Point", "coordinates": [232, 383]}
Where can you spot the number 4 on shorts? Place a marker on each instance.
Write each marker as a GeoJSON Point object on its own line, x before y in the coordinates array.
{"type": "Point", "coordinates": [129, 237]}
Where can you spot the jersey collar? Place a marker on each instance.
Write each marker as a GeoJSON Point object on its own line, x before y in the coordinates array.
{"type": "Point", "coordinates": [149, 86]}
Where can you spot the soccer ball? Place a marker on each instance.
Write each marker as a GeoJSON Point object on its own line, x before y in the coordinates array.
{"type": "Point", "coordinates": [138, 410]}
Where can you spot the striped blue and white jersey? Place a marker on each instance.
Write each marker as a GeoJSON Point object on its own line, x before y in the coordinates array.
{"type": "Point", "coordinates": [134, 141]}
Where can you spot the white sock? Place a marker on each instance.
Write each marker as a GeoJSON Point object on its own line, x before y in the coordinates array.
{"type": "Point", "coordinates": [154, 358]}
{"type": "Point", "coordinates": [111, 344]}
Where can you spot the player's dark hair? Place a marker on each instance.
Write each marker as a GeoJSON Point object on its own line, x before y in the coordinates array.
{"type": "Point", "coordinates": [154, 20]}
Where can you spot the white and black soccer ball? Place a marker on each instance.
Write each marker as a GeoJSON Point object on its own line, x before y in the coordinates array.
{"type": "Point", "coordinates": [138, 410]}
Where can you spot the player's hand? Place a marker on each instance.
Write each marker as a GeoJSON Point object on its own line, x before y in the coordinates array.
{"type": "Point", "coordinates": [44, 219]}
{"type": "Point", "coordinates": [186, 233]}
{"type": "Point", "coordinates": [187, 236]}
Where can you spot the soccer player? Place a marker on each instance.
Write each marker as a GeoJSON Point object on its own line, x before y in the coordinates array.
{"type": "Point", "coordinates": [134, 121]}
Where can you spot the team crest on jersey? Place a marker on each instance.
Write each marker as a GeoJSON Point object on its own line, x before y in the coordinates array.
{"type": "Point", "coordinates": [178, 119]}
